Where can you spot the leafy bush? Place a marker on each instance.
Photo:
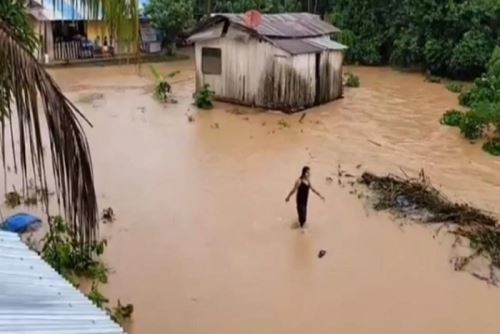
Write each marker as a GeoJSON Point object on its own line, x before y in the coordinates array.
{"type": "Point", "coordinates": [163, 88]}
{"type": "Point", "coordinates": [61, 251]}
{"type": "Point", "coordinates": [494, 63]}
{"type": "Point", "coordinates": [406, 50]}
{"type": "Point", "coordinates": [486, 88]}
{"type": "Point", "coordinates": [471, 126]}
{"type": "Point", "coordinates": [452, 118]}
{"type": "Point", "coordinates": [455, 87]}
{"type": "Point", "coordinates": [471, 54]}
{"type": "Point", "coordinates": [352, 80]}
{"type": "Point", "coordinates": [204, 97]}
{"type": "Point", "coordinates": [492, 146]}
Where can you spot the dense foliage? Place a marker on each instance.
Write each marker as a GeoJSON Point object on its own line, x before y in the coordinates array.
{"type": "Point", "coordinates": [452, 118]}
{"type": "Point", "coordinates": [483, 99]}
{"type": "Point", "coordinates": [203, 98]}
{"type": "Point", "coordinates": [171, 17]}
{"type": "Point", "coordinates": [74, 263]}
{"type": "Point", "coordinates": [352, 80]}
{"type": "Point", "coordinates": [453, 37]}
{"type": "Point", "coordinates": [12, 12]}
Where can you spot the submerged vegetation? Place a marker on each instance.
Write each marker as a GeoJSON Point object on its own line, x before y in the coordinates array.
{"type": "Point", "coordinates": [203, 98]}
{"type": "Point", "coordinates": [418, 199]}
{"type": "Point", "coordinates": [492, 146]}
{"type": "Point", "coordinates": [452, 118]}
{"type": "Point", "coordinates": [483, 101]}
{"type": "Point", "coordinates": [61, 250]}
{"type": "Point", "coordinates": [352, 80]}
{"type": "Point", "coordinates": [163, 89]}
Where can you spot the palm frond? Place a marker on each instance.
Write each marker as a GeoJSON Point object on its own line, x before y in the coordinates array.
{"type": "Point", "coordinates": [23, 84]}
{"type": "Point", "coordinates": [155, 72]}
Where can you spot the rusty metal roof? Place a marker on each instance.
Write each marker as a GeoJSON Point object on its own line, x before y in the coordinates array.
{"type": "Point", "coordinates": [291, 25]}
{"type": "Point", "coordinates": [307, 45]}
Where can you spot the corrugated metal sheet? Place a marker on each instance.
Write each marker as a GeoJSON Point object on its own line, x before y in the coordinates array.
{"type": "Point", "coordinates": [57, 10]}
{"type": "Point", "coordinates": [291, 25]}
{"type": "Point", "coordinates": [35, 299]}
{"type": "Point", "coordinates": [307, 45]}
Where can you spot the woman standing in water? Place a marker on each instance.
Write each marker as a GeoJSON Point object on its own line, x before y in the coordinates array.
{"type": "Point", "coordinates": [302, 187]}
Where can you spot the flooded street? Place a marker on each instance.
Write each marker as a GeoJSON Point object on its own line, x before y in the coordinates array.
{"type": "Point", "coordinates": [205, 243]}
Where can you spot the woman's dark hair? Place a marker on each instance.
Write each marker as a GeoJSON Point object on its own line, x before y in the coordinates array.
{"type": "Point", "coordinates": [305, 169]}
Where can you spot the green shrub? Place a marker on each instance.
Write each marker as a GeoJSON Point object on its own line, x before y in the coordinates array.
{"type": "Point", "coordinates": [492, 146]}
{"type": "Point", "coordinates": [69, 259]}
{"type": "Point", "coordinates": [471, 126]}
{"type": "Point", "coordinates": [203, 98]}
{"type": "Point", "coordinates": [352, 80]}
{"type": "Point", "coordinates": [163, 89]}
{"type": "Point", "coordinates": [452, 118]}
{"type": "Point", "coordinates": [455, 87]}
{"type": "Point", "coordinates": [471, 54]}
{"type": "Point", "coordinates": [494, 63]}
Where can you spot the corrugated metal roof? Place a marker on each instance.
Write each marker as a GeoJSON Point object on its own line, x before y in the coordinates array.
{"type": "Point", "coordinates": [60, 10]}
{"type": "Point", "coordinates": [290, 25]}
{"type": "Point", "coordinates": [307, 45]}
{"type": "Point", "coordinates": [35, 299]}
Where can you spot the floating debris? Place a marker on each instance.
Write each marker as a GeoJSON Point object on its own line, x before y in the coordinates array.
{"type": "Point", "coordinates": [321, 253]}
{"type": "Point", "coordinates": [283, 123]}
{"type": "Point", "coordinates": [328, 179]}
{"type": "Point", "coordinates": [215, 126]}
{"type": "Point", "coordinates": [302, 117]}
{"type": "Point", "coordinates": [419, 200]}
{"type": "Point", "coordinates": [90, 97]}
{"type": "Point", "coordinates": [108, 215]}
{"type": "Point", "coordinates": [190, 118]}
{"type": "Point", "coordinates": [13, 199]}
{"type": "Point", "coordinates": [374, 143]}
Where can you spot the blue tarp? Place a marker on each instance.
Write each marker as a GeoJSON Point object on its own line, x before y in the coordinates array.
{"type": "Point", "coordinates": [20, 223]}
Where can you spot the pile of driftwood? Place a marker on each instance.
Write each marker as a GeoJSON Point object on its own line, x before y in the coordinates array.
{"type": "Point", "coordinates": [420, 198]}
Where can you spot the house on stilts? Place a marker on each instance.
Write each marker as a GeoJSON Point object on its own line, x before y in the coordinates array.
{"type": "Point", "coordinates": [287, 62]}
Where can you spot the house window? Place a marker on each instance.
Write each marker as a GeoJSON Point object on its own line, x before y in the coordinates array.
{"type": "Point", "coordinates": [211, 61]}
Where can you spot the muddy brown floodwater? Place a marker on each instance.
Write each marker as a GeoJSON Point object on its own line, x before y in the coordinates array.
{"type": "Point", "coordinates": [205, 243]}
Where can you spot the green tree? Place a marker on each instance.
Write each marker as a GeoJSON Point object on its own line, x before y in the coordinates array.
{"type": "Point", "coordinates": [171, 17]}
{"type": "Point", "coordinates": [450, 37]}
